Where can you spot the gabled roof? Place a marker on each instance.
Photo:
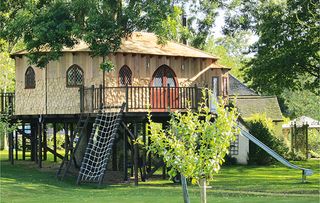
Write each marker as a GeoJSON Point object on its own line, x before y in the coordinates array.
{"type": "Point", "coordinates": [144, 43]}
{"type": "Point", "coordinates": [249, 105]}
{"type": "Point", "coordinates": [238, 88]}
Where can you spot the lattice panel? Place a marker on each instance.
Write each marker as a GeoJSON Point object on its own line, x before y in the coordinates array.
{"type": "Point", "coordinates": [74, 76]}
{"type": "Point", "coordinates": [125, 76]}
{"type": "Point", "coordinates": [234, 146]}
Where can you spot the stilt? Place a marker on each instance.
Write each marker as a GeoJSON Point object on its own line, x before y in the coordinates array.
{"type": "Point", "coordinates": [33, 141]}
{"type": "Point", "coordinates": [11, 159]}
{"type": "Point", "coordinates": [55, 142]}
{"type": "Point", "coordinates": [16, 144]}
{"type": "Point", "coordinates": [135, 150]}
{"type": "Point", "coordinates": [149, 157]}
{"type": "Point", "coordinates": [45, 142]}
{"type": "Point", "coordinates": [144, 153]}
{"type": "Point", "coordinates": [36, 143]}
{"type": "Point", "coordinates": [164, 168]}
{"type": "Point", "coordinates": [125, 160]}
{"type": "Point", "coordinates": [40, 133]}
{"type": "Point", "coordinates": [23, 143]}
{"type": "Point", "coordinates": [114, 156]}
{"type": "Point", "coordinates": [66, 137]}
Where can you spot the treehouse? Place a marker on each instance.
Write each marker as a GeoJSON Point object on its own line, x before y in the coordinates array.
{"type": "Point", "coordinates": [145, 73]}
{"type": "Point", "coordinates": [73, 90]}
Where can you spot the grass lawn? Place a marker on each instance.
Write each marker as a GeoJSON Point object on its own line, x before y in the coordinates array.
{"type": "Point", "coordinates": [24, 182]}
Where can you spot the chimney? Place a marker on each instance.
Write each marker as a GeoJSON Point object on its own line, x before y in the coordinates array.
{"type": "Point", "coordinates": [184, 24]}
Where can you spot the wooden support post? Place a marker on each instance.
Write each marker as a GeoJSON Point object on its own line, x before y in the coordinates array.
{"type": "Point", "coordinates": [23, 143]}
{"type": "Point", "coordinates": [33, 141]}
{"type": "Point", "coordinates": [66, 137]}
{"type": "Point", "coordinates": [125, 160]}
{"type": "Point", "coordinates": [144, 155]}
{"type": "Point", "coordinates": [71, 137]}
{"type": "Point", "coordinates": [40, 134]}
{"type": "Point", "coordinates": [136, 159]}
{"type": "Point", "coordinates": [16, 143]}
{"type": "Point", "coordinates": [45, 142]}
{"type": "Point", "coordinates": [114, 156]}
{"type": "Point", "coordinates": [164, 168]}
{"type": "Point", "coordinates": [55, 142]}
{"type": "Point", "coordinates": [149, 157]}
{"type": "Point", "coordinates": [11, 159]}
{"type": "Point", "coordinates": [36, 142]}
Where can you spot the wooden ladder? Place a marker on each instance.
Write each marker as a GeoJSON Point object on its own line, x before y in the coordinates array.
{"type": "Point", "coordinates": [69, 157]}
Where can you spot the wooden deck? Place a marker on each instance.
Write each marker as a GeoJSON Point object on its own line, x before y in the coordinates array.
{"type": "Point", "coordinates": [140, 98]}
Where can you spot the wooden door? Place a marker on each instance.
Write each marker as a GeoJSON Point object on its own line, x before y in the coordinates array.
{"type": "Point", "coordinates": [163, 90]}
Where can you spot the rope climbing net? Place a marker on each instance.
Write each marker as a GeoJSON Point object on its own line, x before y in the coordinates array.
{"type": "Point", "coordinates": [100, 145]}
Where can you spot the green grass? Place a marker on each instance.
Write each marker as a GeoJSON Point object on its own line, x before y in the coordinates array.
{"type": "Point", "coordinates": [24, 182]}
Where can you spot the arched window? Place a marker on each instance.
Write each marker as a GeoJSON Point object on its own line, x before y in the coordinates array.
{"type": "Point", "coordinates": [125, 76]}
{"type": "Point", "coordinates": [74, 76]}
{"type": "Point", "coordinates": [30, 81]}
{"type": "Point", "coordinates": [163, 77]}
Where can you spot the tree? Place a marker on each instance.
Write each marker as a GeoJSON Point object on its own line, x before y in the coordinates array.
{"type": "Point", "coordinates": [231, 51]}
{"type": "Point", "coordinates": [301, 103]}
{"type": "Point", "coordinates": [46, 26]}
{"type": "Point", "coordinates": [196, 143]}
{"type": "Point", "coordinates": [288, 44]}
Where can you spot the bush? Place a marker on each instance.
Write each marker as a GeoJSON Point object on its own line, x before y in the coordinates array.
{"type": "Point", "coordinates": [263, 129]}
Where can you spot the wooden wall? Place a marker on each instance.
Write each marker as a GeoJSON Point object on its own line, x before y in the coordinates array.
{"type": "Point", "coordinates": [52, 96]}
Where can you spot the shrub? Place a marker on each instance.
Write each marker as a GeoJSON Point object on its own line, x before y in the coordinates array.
{"type": "Point", "coordinates": [263, 129]}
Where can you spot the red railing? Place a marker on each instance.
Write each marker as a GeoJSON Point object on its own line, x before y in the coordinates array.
{"type": "Point", "coordinates": [140, 98]}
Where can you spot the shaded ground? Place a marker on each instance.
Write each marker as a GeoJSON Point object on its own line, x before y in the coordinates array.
{"type": "Point", "coordinates": [24, 182]}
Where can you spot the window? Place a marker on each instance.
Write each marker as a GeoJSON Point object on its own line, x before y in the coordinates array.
{"type": "Point", "coordinates": [74, 76]}
{"type": "Point", "coordinates": [163, 77]}
{"type": "Point", "coordinates": [30, 81]}
{"type": "Point", "coordinates": [234, 146]}
{"type": "Point", "coordinates": [225, 86]}
{"type": "Point", "coordinates": [125, 76]}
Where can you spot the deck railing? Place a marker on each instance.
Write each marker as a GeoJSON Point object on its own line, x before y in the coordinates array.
{"type": "Point", "coordinates": [140, 98]}
{"type": "Point", "coordinates": [7, 103]}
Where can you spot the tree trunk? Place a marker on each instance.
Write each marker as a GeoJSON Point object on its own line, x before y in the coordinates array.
{"type": "Point", "coordinates": [185, 189]}
{"type": "Point", "coordinates": [203, 190]}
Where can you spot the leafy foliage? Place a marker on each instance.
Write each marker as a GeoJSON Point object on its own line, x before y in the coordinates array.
{"type": "Point", "coordinates": [288, 45]}
{"type": "Point", "coordinates": [48, 26]}
{"type": "Point", "coordinates": [196, 142]}
{"type": "Point", "coordinates": [301, 103]}
{"type": "Point", "coordinates": [263, 129]}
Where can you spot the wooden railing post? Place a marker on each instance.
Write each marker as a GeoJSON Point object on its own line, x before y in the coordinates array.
{"type": "Point", "coordinates": [81, 90]}
{"type": "Point", "coordinates": [127, 98]}
{"type": "Point", "coordinates": [2, 102]}
{"type": "Point", "coordinates": [196, 97]}
{"type": "Point", "coordinates": [100, 98]}
{"type": "Point", "coordinates": [168, 97]}
{"type": "Point", "coordinates": [92, 99]}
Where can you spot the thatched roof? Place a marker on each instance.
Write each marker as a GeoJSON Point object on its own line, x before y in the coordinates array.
{"type": "Point", "coordinates": [144, 43]}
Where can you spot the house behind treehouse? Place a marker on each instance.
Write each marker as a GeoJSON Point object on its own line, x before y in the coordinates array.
{"type": "Point", "coordinates": [147, 75]}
